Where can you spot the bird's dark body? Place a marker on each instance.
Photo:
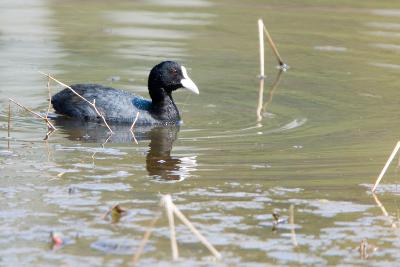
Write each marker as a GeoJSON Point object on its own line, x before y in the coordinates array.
{"type": "Point", "coordinates": [117, 106]}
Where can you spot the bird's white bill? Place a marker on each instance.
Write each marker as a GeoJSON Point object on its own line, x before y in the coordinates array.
{"type": "Point", "coordinates": [188, 83]}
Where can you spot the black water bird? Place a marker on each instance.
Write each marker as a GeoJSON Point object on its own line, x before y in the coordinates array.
{"type": "Point", "coordinates": [118, 106]}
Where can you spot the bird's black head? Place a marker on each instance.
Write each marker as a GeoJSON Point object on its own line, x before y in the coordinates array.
{"type": "Point", "coordinates": [167, 77]}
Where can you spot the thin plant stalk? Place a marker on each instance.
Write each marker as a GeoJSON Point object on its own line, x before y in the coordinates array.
{"type": "Point", "coordinates": [168, 207]}
{"type": "Point", "coordinates": [273, 46]}
{"type": "Point", "coordinates": [202, 239]}
{"type": "Point", "coordinates": [93, 105]}
{"type": "Point", "coordinates": [395, 150]}
{"type": "Point", "coordinates": [133, 125]}
{"type": "Point", "coordinates": [291, 221]}
{"type": "Point", "coordinates": [34, 113]}
{"type": "Point", "coordinates": [261, 43]}
{"type": "Point", "coordinates": [145, 239]}
{"type": "Point", "coordinates": [134, 121]}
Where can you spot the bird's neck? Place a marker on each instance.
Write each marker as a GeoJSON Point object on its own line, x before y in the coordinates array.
{"type": "Point", "coordinates": [164, 108]}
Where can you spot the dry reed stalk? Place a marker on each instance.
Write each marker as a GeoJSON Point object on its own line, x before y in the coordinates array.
{"type": "Point", "coordinates": [167, 201]}
{"type": "Point", "coordinates": [93, 105]}
{"type": "Point", "coordinates": [384, 212]}
{"type": "Point", "coordinates": [261, 43]}
{"type": "Point", "coordinates": [291, 221]}
{"type": "Point", "coordinates": [273, 46]}
{"type": "Point", "coordinates": [202, 239]}
{"type": "Point", "coordinates": [260, 101]}
{"type": "Point", "coordinates": [134, 121]}
{"type": "Point", "coordinates": [395, 150]}
{"type": "Point", "coordinates": [145, 239]}
{"type": "Point", "coordinates": [133, 125]}
{"type": "Point", "coordinates": [49, 124]}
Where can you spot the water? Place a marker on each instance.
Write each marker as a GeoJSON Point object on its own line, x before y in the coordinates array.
{"type": "Point", "coordinates": [327, 129]}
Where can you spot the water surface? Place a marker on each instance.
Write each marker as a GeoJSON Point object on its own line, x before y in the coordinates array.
{"type": "Point", "coordinates": [327, 129]}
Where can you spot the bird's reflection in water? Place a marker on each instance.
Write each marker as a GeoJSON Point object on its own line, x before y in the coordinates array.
{"type": "Point", "coordinates": [159, 162]}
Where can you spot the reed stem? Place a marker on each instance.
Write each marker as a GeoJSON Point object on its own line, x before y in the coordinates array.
{"type": "Point", "coordinates": [34, 113]}
{"type": "Point", "coordinates": [168, 207]}
{"type": "Point", "coordinates": [261, 43]}
{"type": "Point", "coordinates": [93, 105]}
{"type": "Point", "coordinates": [145, 239]}
{"type": "Point", "coordinates": [395, 150]}
{"type": "Point", "coordinates": [273, 46]}
{"type": "Point", "coordinates": [202, 239]}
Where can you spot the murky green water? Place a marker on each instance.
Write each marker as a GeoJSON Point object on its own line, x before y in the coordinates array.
{"type": "Point", "coordinates": [326, 133]}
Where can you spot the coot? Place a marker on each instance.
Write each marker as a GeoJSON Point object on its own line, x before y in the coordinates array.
{"type": "Point", "coordinates": [118, 106]}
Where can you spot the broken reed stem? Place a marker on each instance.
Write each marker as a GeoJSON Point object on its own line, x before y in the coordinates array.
{"type": "Point", "coordinates": [396, 148]}
{"type": "Point", "coordinates": [291, 221]}
{"type": "Point", "coordinates": [93, 105]}
{"type": "Point", "coordinates": [273, 46]}
{"type": "Point", "coordinates": [146, 237]}
{"type": "Point", "coordinates": [260, 101]}
{"type": "Point", "coordinates": [134, 121]}
{"type": "Point", "coordinates": [133, 125]}
{"type": "Point", "coordinates": [167, 201]}
{"type": "Point", "coordinates": [49, 124]}
{"type": "Point", "coordinates": [202, 239]}
{"type": "Point", "coordinates": [261, 43]}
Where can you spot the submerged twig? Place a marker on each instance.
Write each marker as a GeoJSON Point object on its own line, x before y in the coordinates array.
{"type": "Point", "coordinates": [49, 124]}
{"type": "Point", "coordinates": [167, 201]}
{"type": "Point", "coordinates": [396, 148]}
{"type": "Point", "coordinates": [93, 105]}
{"type": "Point", "coordinates": [146, 237]}
{"type": "Point", "coordinates": [272, 90]}
{"type": "Point", "coordinates": [384, 212]}
{"type": "Point", "coordinates": [102, 146]}
{"type": "Point", "coordinates": [262, 107]}
{"type": "Point", "coordinates": [291, 221]}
